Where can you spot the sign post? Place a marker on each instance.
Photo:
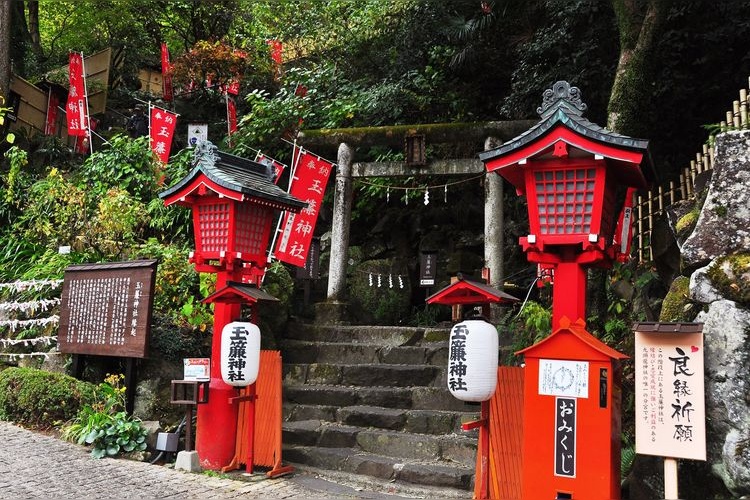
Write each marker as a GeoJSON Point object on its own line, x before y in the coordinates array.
{"type": "Point", "coordinates": [105, 310]}
{"type": "Point", "coordinates": [670, 403]}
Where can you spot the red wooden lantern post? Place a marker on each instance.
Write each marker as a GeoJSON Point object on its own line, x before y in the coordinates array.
{"type": "Point", "coordinates": [576, 177]}
{"type": "Point", "coordinates": [233, 202]}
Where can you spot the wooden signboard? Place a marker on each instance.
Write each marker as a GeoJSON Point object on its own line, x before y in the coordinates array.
{"type": "Point", "coordinates": [105, 309]}
{"type": "Point", "coordinates": [669, 404]}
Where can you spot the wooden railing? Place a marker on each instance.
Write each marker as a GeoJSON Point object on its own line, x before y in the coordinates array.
{"type": "Point", "coordinates": [647, 208]}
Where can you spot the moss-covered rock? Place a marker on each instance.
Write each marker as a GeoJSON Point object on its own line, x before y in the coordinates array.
{"type": "Point", "coordinates": [677, 306]}
{"type": "Point", "coordinates": [687, 222]}
{"type": "Point", "coordinates": [731, 276]}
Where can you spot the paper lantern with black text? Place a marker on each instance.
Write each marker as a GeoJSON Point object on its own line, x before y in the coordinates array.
{"type": "Point", "coordinates": [472, 360]}
{"type": "Point", "coordinates": [240, 353]}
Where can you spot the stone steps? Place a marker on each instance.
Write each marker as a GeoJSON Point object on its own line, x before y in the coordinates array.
{"type": "Point", "coordinates": [303, 351]}
{"type": "Point", "coordinates": [381, 335]}
{"type": "Point", "coordinates": [418, 421]}
{"type": "Point", "coordinates": [373, 401]}
{"type": "Point", "coordinates": [424, 398]}
{"type": "Point", "coordinates": [432, 473]}
{"type": "Point", "coordinates": [399, 444]}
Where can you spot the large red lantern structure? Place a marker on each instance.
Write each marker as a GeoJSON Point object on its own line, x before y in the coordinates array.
{"type": "Point", "coordinates": [233, 201]}
{"type": "Point", "coordinates": [576, 176]}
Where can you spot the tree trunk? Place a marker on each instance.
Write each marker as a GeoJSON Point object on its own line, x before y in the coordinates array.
{"type": "Point", "coordinates": [638, 23]}
{"type": "Point", "coordinates": [36, 40]}
{"type": "Point", "coordinates": [5, 10]}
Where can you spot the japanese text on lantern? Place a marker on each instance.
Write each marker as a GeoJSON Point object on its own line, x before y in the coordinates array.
{"type": "Point", "coordinates": [670, 411]}
{"type": "Point", "coordinates": [237, 354]}
{"type": "Point", "coordinates": [457, 359]}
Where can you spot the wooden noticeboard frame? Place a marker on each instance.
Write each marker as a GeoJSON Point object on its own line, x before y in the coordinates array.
{"type": "Point", "coordinates": [105, 309]}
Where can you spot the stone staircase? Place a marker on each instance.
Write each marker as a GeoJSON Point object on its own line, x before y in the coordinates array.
{"type": "Point", "coordinates": [372, 402]}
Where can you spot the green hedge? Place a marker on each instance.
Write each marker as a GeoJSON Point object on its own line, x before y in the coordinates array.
{"type": "Point", "coordinates": [40, 399]}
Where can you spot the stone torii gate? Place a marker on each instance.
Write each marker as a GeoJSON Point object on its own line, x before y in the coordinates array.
{"type": "Point", "coordinates": [346, 140]}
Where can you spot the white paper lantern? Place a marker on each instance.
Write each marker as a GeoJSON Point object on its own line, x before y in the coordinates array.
{"type": "Point", "coordinates": [240, 353]}
{"type": "Point", "coordinates": [472, 360]}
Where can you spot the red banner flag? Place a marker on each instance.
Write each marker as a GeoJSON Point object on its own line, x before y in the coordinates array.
{"type": "Point", "coordinates": [50, 126]}
{"type": "Point", "coordinates": [278, 167]}
{"type": "Point", "coordinates": [166, 74]}
{"type": "Point", "coordinates": [231, 115]}
{"type": "Point", "coordinates": [233, 86]}
{"type": "Point", "coordinates": [162, 130]}
{"type": "Point", "coordinates": [309, 185]}
{"type": "Point", "coordinates": [276, 49]}
{"type": "Point", "coordinates": [82, 141]}
{"type": "Point", "coordinates": [76, 108]}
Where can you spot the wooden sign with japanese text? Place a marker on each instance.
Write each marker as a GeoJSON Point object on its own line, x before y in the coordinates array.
{"type": "Point", "coordinates": [105, 309]}
{"type": "Point", "coordinates": [669, 406]}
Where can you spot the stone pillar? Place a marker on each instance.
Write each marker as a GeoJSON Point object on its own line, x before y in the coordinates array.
{"type": "Point", "coordinates": [493, 229]}
{"type": "Point", "coordinates": [334, 310]}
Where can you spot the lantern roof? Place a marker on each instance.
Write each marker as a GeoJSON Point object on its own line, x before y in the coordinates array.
{"type": "Point", "coordinates": [239, 293]}
{"type": "Point", "coordinates": [562, 119]}
{"type": "Point", "coordinates": [468, 291]}
{"type": "Point", "coordinates": [572, 341]}
{"type": "Point", "coordinates": [231, 177]}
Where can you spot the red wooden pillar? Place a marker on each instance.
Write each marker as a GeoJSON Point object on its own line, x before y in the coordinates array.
{"type": "Point", "coordinates": [215, 442]}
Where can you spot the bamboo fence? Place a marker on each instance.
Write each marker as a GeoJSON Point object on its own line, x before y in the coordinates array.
{"type": "Point", "coordinates": [653, 204]}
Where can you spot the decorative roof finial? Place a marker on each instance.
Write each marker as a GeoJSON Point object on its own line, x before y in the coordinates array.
{"type": "Point", "coordinates": [205, 151]}
{"type": "Point", "coordinates": [561, 94]}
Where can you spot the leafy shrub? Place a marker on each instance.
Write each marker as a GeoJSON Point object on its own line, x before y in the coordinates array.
{"type": "Point", "coordinates": [173, 342]}
{"type": "Point", "coordinates": [39, 399]}
{"type": "Point", "coordinates": [105, 425]}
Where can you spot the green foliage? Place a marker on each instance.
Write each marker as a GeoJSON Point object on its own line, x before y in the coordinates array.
{"type": "Point", "coordinates": [41, 399]}
{"type": "Point", "coordinates": [178, 288]}
{"type": "Point", "coordinates": [18, 159]}
{"type": "Point", "coordinates": [128, 164]}
{"type": "Point", "coordinates": [173, 342]}
{"type": "Point", "coordinates": [105, 426]}
{"type": "Point", "coordinates": [530, 325]}
{"type": "Point", "coordinates": [380, 305]}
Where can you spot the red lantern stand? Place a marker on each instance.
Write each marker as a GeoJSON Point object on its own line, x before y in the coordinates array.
{"type": "Point", "coordinates": [467, 292]}
{"type": "Point", "coordinates": [576, 177]}
{"type": "Point", "coordinates": [233, 201]}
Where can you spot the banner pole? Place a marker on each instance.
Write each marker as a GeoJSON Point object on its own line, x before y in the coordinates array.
{"type": "Point", "coordinates": [86, 100]}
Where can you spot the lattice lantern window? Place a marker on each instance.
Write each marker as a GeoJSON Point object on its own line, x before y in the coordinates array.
{"type": "Point", "coordinates": [570, 204]}
{"type": "Point", "coordinates": [230, 229]}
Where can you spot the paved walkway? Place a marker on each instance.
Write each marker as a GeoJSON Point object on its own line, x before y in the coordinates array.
{"type": "Point", "coordinates": [36, 466]}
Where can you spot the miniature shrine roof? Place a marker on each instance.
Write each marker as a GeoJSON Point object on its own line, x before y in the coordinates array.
{"type": "Point", "coordinates": [577, 330]}
{"type": "Point", "coordinates": [467, 291]}
{"type": "Point", "coordinates": [232, 176]}
{"type": "Point", "coordinates": [562, 108]}
{"type": "Point", "coordinates": [237, 293]}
